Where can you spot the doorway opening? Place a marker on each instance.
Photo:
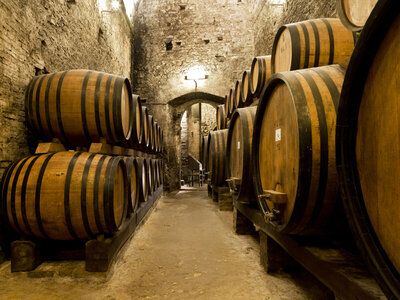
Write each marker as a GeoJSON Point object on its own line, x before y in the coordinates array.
{"type": "Point", "coordinates": [197, 121]}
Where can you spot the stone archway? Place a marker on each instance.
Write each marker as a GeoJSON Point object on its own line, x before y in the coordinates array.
{"type": "Point", "coordinates": [177, 107]}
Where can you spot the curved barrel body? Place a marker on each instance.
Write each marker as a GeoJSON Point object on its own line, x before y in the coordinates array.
{"type": "Point", "coordinates": [79, 107]}
{"type": "Point", "coordinates": [368, 147]}
{"type": "Point", "coordinates": [66, 195]}
{"type": "Point", "coordinates": [294, 158]}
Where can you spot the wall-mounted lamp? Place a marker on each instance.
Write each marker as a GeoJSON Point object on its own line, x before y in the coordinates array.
{"type": "Point", "coordinates": [196, 73]}
{"type": "Point", "coordinates": [278, 2]}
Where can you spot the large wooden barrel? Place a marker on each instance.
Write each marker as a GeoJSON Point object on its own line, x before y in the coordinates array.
{"type": "Point", "coordinates": [136, 133]}
{"type": "Point", "coordinates": [259, 74]}
{"type": "Point", "coordinates": [145, 140]}
{"type": "Point", "coordinates": [156, 173]}
{"type": "Point", "coordinates": [238, 153]}
{"type": "Point", "coordinates": [245, 89]}
{"type": "Point", "coordinates": [65, 195]}
{"type": "Point", "coordinates": [311, 43]}
{"type": "Point", "coordinates": [354, 13]}
{"type": "Point", "coordinates": [221, 117]}
{"type": "Point", "coordinates": [161, 140]}
{"type": "Point", "coordinates": [368, 147]}
{"type": "Point", "coordinates": [294, 171]}
{"type": "Point", "coordinates": [217, 157]}
{"type": "Point", "coordinates": [230, 106]}
{"type": "Point", "coordinates": [151, 145]}
{"type": "Point", "coordinates": [204, 154]}
{"type": "Point", "coordinates": [150, 176]}
{"type": "Point", "coordinates": [133, 182]}
{"type": "Point", "coordinates": [79, 107]}
{"type": "Point", "coordinates": [156, 137]}
{"type": "Point", "coordinates": [237, 95]}
{"type": "Point", "coordinates": [226, 104]}
{"type": "Point", "coordinates": [160, 167]}
{"type": "Point", "coordinates": [143, 180]}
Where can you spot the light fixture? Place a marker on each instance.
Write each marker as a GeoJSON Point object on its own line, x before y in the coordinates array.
{"type": "Point", "coordinates": [196, 73]}
{"type": "Point", "coordinates": [278, 2]}
{"type": "Point", "coordinates": [115, 4]}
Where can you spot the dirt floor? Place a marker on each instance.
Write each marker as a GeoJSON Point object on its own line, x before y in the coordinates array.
{"type": "Point", "coordinates": [185, 250]}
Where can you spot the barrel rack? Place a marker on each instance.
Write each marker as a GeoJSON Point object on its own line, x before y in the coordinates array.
{"type": "Point", "coordinates": [341, 271]}
{"type": "Point", "coordinates": [99, 252]}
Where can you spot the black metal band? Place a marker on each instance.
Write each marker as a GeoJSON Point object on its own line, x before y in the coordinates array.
{"type": "Point", "coordinates": [67, 209]}
{"type": "Point", "coordinates": [83, 106]}
{"type": "Point", "coordinates": [85, 218]}
{"type": "Point", "coordinates": [37, 195]}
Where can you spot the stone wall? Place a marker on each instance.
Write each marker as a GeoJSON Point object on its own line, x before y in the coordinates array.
{"type": "Point", "coordinates": [40, 36]}
{"type": "Point", "coordinates": [171, 38]}
{"type": "Point", "coordinates": [269, 17]}
{"type": "Point", "coordinates": [208, 118]}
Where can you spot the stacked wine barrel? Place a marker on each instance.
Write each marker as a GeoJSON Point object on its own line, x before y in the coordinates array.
{"type": "Point", "coordinates": [79, 194]}
{"type": "Point", "coordinates": [323, 132]}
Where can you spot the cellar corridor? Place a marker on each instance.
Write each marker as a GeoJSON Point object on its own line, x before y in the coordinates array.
{"type": "Point", "coordinates": [185, 250]}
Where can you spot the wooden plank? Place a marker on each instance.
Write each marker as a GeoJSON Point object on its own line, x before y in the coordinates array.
{"type": "Point", "coordinates": [338, 269]}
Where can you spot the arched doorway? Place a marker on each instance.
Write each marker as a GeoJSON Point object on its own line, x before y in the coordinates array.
{"type": "Point", "coordinates": [194, 117]}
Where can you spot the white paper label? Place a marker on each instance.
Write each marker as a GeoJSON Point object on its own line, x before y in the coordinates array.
{"type": "Point", "coordinates": [278, 135]}
{"type": "Point", "coordinates": [238, 145]}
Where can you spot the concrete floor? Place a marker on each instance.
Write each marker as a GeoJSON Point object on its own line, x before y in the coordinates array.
{"type": "Point", "coordinates": [185, 250]}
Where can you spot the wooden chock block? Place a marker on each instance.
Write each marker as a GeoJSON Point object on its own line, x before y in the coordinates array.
{"type": "Point", "coordinates": [25, 256]}
{"type": "Point", "coordinates": [272, 257]}
{"type": "Point", "coordinates": [209, 190]}
{"type": "Point", "coordinates": [241, 225]}
{"type": "Point", "coordinates": [50, 147]}
{"type": "Point", "coordinates": [225, 202]}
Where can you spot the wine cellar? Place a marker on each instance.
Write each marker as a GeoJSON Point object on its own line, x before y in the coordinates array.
{"type": "Point", "coordinates": [227, 149]}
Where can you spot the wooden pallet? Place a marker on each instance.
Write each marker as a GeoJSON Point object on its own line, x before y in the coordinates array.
{"type": "Point", "coordinates": [337, 268]}
{"type": "Point", "coordinates": [98, 253]}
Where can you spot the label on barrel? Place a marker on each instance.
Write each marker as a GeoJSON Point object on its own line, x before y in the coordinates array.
{"type": "Point", "coordinates": [278, 134]}
{"type": "Point", "coordinates": [238, 145]}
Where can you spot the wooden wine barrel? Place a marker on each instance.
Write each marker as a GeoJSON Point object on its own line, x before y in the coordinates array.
{"type": "Point", "coordinates": [245, 89]}
{"type": "Point", "coordinates": [65, 195]}
{"type": "Point", "coordinates": [230, 105]}
{"type": "Point", "coordinates": [238, 153]}
{"type": "Point", "coordinates": [133, 182]}
{"type": "Point", "coordinates": [217, 157]}
{"type": "Point", "coordinates": [354, 13]}
{"type": "Point", "coordinates": [161, 140]}
{"type": "Point", "coordinates": [226, 104]}
{"type": "Point", "coordinates": [150, 146]}
{"type": "Point", "coordinates": [143, 191]}
{"type": "Point", "coordinates": [150, 175]}
{"type": "Point", "coordinates": [160, 163]}
{"type": "Point", "coordinates": [259, 74]}
{"type": "Point", "coordinates": [156, 137]}
{"type": "Point", "coordinates": [204, 155]}
{"type": "Point", "coordinates": [221, 117]}
{"type": "Point", "coordinates": [368, 149]}
{"type": "Point", "coordinates": [137, 124]}
{"type": "Point", "coordinates": [79, 107]}
{"type": "Point", "coordinates": [145, 140]}
{"type": "Point", "coordinates": [311, 43]}
{"type": "Point", "coordinates": [237, 102]}
{"type": "Point", "coordinates": [156, 173]}
{"type": "Point", "coordinates": [294, 170]}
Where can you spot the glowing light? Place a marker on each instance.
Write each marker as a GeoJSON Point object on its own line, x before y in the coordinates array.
{"type": "Point", "coordinates": [129, 5]}
{"type": "Point", "coordinates": [278, 2]}
{"type": "Point", "coordinates": [196, 73]}
{"type": "Point", "coordinates": [102, 4]}
{"type": "Point", "coordinates": [115, 4]}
